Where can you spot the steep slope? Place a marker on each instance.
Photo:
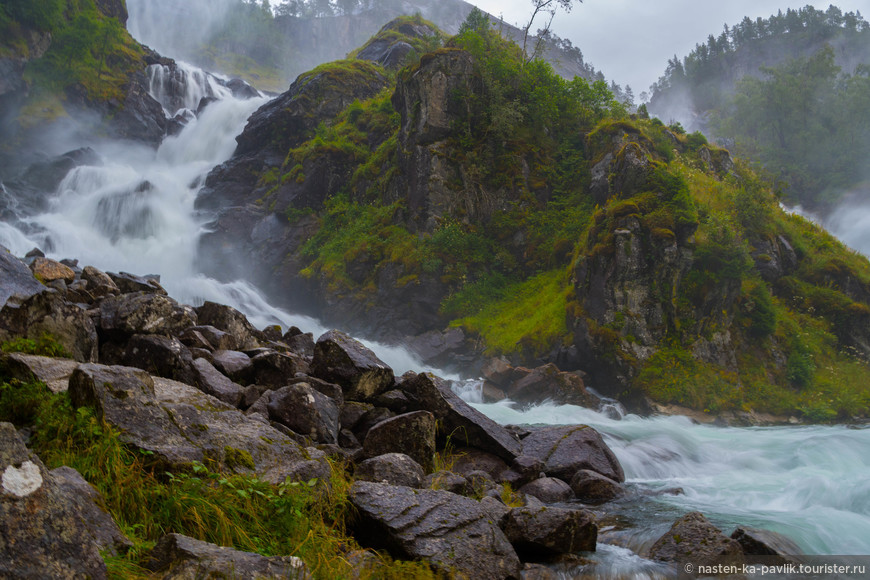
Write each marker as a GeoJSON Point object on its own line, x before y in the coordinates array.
{"type": "Point", "coordinates": [531, 217]}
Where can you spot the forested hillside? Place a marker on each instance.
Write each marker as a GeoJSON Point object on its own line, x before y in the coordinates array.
{"type": "Point", "coordinates": [791, 92]}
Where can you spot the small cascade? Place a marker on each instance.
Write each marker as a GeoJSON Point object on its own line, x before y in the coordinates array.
{"type": "Point", "coordinates": [183, 87]}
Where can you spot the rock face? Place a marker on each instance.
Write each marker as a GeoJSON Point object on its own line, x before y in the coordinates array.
{"type": "Point", "coordinates": [178, 556]}
{"type": "Point", "coordinates": [180, 424]}
{"type": "Point", "coordinates": [692, 538]}
{"type": "Point", "coordinates": [45, 530]}
{"type": "Point", "coordinates": [454, 534]}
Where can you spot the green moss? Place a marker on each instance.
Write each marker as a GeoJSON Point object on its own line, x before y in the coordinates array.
{"type": "Point", "coordinates": [235, 458]}
{"type": "Point", "coordinates": [45, 345]}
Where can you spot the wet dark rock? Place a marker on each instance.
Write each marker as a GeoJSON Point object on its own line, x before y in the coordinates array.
{"type": "Point", "coordinates": [275, 369]}
{"type": "Point", "coordinates": [549, 383]}
{"type": "Point", "coordinates": [342, 360]}
{"type": "Point", "coordinates": [539, 533]}
{"type": "Point", "coordinates": [194, 339]}
{"type": "Point", "coordinates": [228, 319]}
{"type": "Point", "coordinates": [447, 481]}
{"type": "Point", "coordinates": [242, 90]}
{"type": "Point", "coordinates": [234, 364]}
{"type": "Point", "coordinates": [181, 424]}
{"type": "Point", "coordinates": [454, 534]}
{"type": "Point", "coordinates": [212, 382]}
{"type": "Point", "coordinates": [391, 468]}
{"type": "Point", "coordinates": [331, 390]}
{"type": "Point", "coordinates": [457, 420]}
{"type": "Point", "coordinates": [548, 490]}
{"type": "Point", "coordinates": [692, 538]}
{"type": "Point", "coordinates": [178, 556]}
{"type": "Point", "coordinates": [160, 356]}
{"type": "Point", "coordinates": [773, 546]}
{"type": "Point", "coordinates": [395, 400]}
{"type": "Point", "coordinates": [565, 450]}
{"type": "Point", "coordinates": [412, 434]}
{"type": "Point", "coordinates": [306, 411]}
{"type": "Point", "coordinates": [128, 283]}
{"type": "Point", "coordinates": [45, 532]}
{"type": "Point", "coordinates": [352, 412]}
{"type": "Point", "coordinates": [371, 418]}
{"type": "Point", "coordinates": [252, 394]}
{"type": "Point", "coordinates": [594, 488]}
{"type": "Point", "coordinates": [142, 313]}
{"type": "Point", "coordinates": [468, 459]}
{"type": "Point", "coordinates": [523, 470]}
{"type": "Point", "coordinates": [301, 344]}
{"type": "Point", "coordinates": [48, 313]}
{"type": "Point", "coordinates": [16, 278]}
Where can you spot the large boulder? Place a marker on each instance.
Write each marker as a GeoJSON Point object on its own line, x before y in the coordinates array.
{"type": "Point", "coordinates": [540, 532]}
{"type": "Point", "coordinates": [179, 425]}
{"type": "Point", "coordinates": [548, 490]}
{"type": "Point", "coordinates": [54, 372]}
{"type": "Point", "coordinates": [160, 356]}
{"type": "Point", "coordinates": [43, 531]}
{"type": "Point", "coordinates": [568, 449]}
{"type": "Point", "coordinates": [391, 468]}
{"type": "Point", "coordinates": [143, 313]}
{"type": "Point", "coordinates": [549, 383]}
{"type": "Point", "coordinates": [454, 534]}
{"type": "Point", "coordinates": [16, 278]}
{"type": "Point", "coordinates": [692, 538]}
{"type": "Point", "coordinates": [48, 270]}
{"type": "Point", "coordinates": [230, 320]}
{"type": "Point", "coordinates": [182, 557]}
{"type": "Point", "coordinates": [459, 421]}
{"type": "Point", "coordinates": [306, 411]}
{"type": "Point", "coordinates": [412, 434]}
{"type": "Point", "coordinates": [593, 488]}
{"type": "Point", "coordinates": [342, 360]}
{"type": "Point", "coordinates": [212, 382]}
{"type": "Point", "coordinates": [48, 313]}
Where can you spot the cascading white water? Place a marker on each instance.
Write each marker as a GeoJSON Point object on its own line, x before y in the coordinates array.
{"type": "Point", "coordinates": [183, 86]}
{"type": "Point", "coordinates": [135, 214]}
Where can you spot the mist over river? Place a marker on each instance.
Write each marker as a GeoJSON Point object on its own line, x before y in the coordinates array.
{"type": "Point", "coordinates": [135, 213]}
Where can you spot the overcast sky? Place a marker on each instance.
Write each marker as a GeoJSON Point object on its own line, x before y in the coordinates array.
{"type": "Point", "coordinates": [630, 41]}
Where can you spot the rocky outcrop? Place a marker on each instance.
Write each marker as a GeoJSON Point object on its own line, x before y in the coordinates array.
{"type": "Point", "coordinates": [454, 534]}
{"type": "Point", "coordinates": [47, 529]}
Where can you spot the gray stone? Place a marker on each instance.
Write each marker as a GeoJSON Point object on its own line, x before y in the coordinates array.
{"type": "Point", "coordinates": [228, 319]}
{"type": "Point", "coordinates": [548, 490]}
{"type": "Point", "coordinates": [142, 313]}
{"type": "Point", "coordinates": [692, 538]}
{"type": "Point", "coordinates": [593, 488]}
{"type": "Point", "coordinates": [160, 356]}
{"type": "Point", "coordinates": [565, 450]}
{"type": "Point", "coordinates": [183, 558]}
{"type": "Point", "coordinates": [212, 382]}
{"type": "Point", "coordinates": [54, 372]}
{"type": "Point", "coordinates": [773, 546]}
{"type": "Point", "coordinates": [306, 411]}
{"type": "Point", "coordinates": [16, 278]}
{"type": "Point", "coordinates": [547, 531]}
{"type": "Point", "coordinates": [454, 534]}
{"type": "Point", "coordinates": [342, 360]}
{"type": "Point", "coordinates": [234, 364]}
{"type": "Point", "coordinates": [412, 434]}
{"type": "Point", "coordinates": [391, 468]}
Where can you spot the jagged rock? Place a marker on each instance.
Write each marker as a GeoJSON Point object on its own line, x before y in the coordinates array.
{"type": "Point", "coordinates": [234, 364]}
{"type": "Point", "coordinates": [565, 450]}
{"type": "Point", "coordinates": [212, 382]}
{"type": "Point", "coordinates": [45, 533]}
{"type": "Point", "coordinates": [130, 283]}
{"type": "Point", "coordinates": [54, 372]}
{"type": "Point", "coordinates": [391, 468]}
{"type": "Point", "coordinates": [180, 557]}
{"type": "Point", "coordinates": [454, 534]}
{"type": "Point", "coordinates": [776, 548]}
{"type": "Point", "coordinates": [547, 531]}
{"type": "Point", "coordinates": [181, 424]}
{"type": "Point", "coordinates": [142, 313]}
{"type": "Point", "coordinates": [594, 488]}
{"type": "Point", "coordinates": [548, 490]}
{"type": "Point", "coordinates": [98, 282]}
{"type": "Point", "coordinates": [160, 356]}
{"type": "Point", "coordinates": [412, 434]}
{"type": "Point", "coordinates": [218, 339]}
{"type": "Point", "coordinates": [49, 270]}
{"type": "Point", "coordinates": [548, 382]}
{"type": "Point", "coordinates": [194, 339]}
{"type": "Point", "coordinates": [275, 369]}
{"type": "Point", "coordinates": [692, 538]}
{"type": "Point", "coordinates": [301, 344]}
{"type": "Point", "coordinates": [447, 481]}
{"type": "Point", "coordinates": [342, 360]}
{"type": "Point", "coordinates": [463, 424]}
{"type": "Point", "coordinates": [306, 411]}
{"type": "Point", "coordinates": [228, 319]}
{"type": "Point", "coordinates": [48, 313]}
{"type": "Point", "coordinates": [99, 523]}
{"type": "Point", "coordinates": [16, 278]}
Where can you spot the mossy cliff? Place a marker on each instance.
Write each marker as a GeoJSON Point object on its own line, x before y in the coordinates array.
{"type": "Point", "coordinates": [473, 190]}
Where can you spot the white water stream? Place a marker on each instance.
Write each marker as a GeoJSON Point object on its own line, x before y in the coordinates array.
{"type": "Point", "coordinates": [135, 214]}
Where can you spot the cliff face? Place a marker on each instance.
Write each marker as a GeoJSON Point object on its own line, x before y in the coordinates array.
{"type": "Point", "coordinates": [639, 254]}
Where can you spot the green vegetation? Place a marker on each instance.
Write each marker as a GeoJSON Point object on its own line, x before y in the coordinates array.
{"type": "Point", "coordinates": [304, 519]}
{"type": "Point", "coordinates": [45, 345]}
{"type": "Point", "coordinates": [804, 119]}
